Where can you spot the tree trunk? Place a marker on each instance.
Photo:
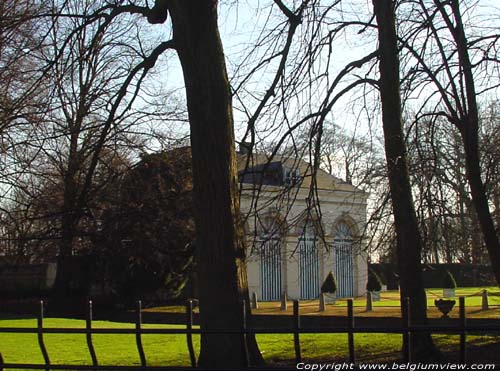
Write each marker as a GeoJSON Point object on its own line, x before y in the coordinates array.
{"type": "Point", "coordinates": [479, 198]}
{"type": "Point", "coordinates": [61, 291]}
{"type": "Point", "coordinates": [468, 124]}
{"type": "Point", "coordinates": [409, 244]}
{"type": "Point", "coordinates": [220, 249]}
{"type": "Point", "coordinates": [496, 203]}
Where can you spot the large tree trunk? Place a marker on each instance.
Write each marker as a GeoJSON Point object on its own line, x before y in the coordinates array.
{"type": "Point", "coordinates": [478, 193]}
{"type": "Point", "coordinates": [61, 292]}
{"type": "Point", "coordinates": [219, 233]}
{"type": "Point", "coordinates": [409, 243]}
{"type": "Point", "coordinates": [468, 124]}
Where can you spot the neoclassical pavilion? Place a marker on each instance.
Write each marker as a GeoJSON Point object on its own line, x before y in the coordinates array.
{"type": "Point", "coordinates": [297, 236]}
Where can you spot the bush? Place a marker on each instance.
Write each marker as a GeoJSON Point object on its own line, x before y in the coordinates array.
{"type": "Point", "coordinates": [329, 286]}
{"type": "Point", "coordinates": [449, 281]}
{"type": "Point", "coordinates": [144, 248]}
{"type": "Point", "coordinates": [373, 283]}
{"type": "Point", "coordinates": [466, 275]}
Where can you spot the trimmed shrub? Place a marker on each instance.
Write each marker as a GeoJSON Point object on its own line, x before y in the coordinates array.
{"type": "Point", "coordinates": [374, 283]}
{"type": "Point", "coordinates": [449, 281]}
{"type": "Point", "coordinates": [329, 285]}
{"type": "Point", "coordinates": [466, 275]}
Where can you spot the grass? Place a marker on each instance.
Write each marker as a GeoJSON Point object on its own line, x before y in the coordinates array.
{"type": "Point", "coordinates": [114, 349]}
{"type": "Point", "coordinates": [389, 305]}
{"type": "Point", "coordinates": [389, 300]}
{"type": "Point", "coordinates": [171, 349]}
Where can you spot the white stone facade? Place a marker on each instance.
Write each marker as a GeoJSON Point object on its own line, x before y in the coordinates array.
{"type": "Point", "coordinates": [285, 256]}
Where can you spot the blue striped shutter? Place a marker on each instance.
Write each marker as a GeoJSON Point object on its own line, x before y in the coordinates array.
{"type": "Point", "coordinates": [270, 270]}
{"type": "Point", "coordinates": [308, 266]}
{"type": "Point", "coordinates": [344, 267]}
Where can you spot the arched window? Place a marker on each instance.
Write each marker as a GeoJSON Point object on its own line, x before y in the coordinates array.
{"type": "Point", "coordinates": [270, 243]}
{"type": "Point", "coordinates": [308, 263]}
{"type": "Point", "coordinates": [344, 260]}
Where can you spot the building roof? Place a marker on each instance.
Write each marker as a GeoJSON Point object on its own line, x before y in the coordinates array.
{"type": "Point", "coordinates": [260, 169]}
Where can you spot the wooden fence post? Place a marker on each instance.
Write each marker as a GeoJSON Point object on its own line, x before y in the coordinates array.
{"type": "Point", "coordinates": [41, 342]}
{"type": "Point", "coordinates": [463, 330]}
{"type": "Point", "coordinates": [88, 334]}
{"type": "Point", "coordinates": [284, 304]}
{"type": "Point", "coordinates": [255, 303]}
{"type": "Point", "coordinates": [405, 309]}
{"type": "Point", "coordinates": [244, 333]}
{"type": "Point", "coordinates": [321, 302]}
{"type": "Point", "coordinates": [138, 339]}
{"type": "Point", "coordinates": [350, 330]}
{"type": "Point", "coordinates": [189, 335]}
{"type": "Point", "coordinates": [296, 331]}
{"type": "Point", "coordinates": [484, 301]}
{"type": "Point", "coordinates": [369, 301]}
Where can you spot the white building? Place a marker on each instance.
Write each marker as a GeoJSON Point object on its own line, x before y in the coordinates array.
{"type": "Point", "coordinates": [296, 235]}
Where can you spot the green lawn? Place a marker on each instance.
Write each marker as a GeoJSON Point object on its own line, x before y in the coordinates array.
{"type": "Point", "coordinates": [172, 349]}
{"type": "Point", "coordinates": [472, 297]}
{"type": "Point", "coordinates": [388, 306]}
{"type": "Point", "coordinates": [110, 348]}
{"type": "Point", "coordinates": [388, 299]}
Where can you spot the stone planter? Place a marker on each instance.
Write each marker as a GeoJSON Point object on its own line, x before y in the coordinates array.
{"type": "Point", "coordinates": [329, 298]}
{"type": "Point", "coordinates": [448, 293]}
{"type": "Point", "coordinates": [444, 306]}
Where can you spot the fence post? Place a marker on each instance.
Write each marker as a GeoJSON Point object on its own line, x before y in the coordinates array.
{"type": "Point", "coordinates": [369, 301]}
{"type": "Point", "coordinates": [484, 301]}
{"type": "Point", "coordinates": [283, 301]}
{"type": "Point", "coordinates": [41, 342]}
{"type": "Point", "coordinates": [88, 328]}
{"type": "Point", "coordinates": [138, 339]}
{"type": "Point", "coordinates": [255, 302]}
{"type": "Point", "coordinates": [463, 330]}
{"type": "Point", "coordinates": [296, 331]}
{"type": "Point", "coordinates": [321, 302]}
{"type": "Point", "coordinates": [405, 309]}
{"type": "Point", "coordinates": [244, 333]}
{"type": "Point", "coordinates": [350, 333]}
{"type": "Point", "coordinates": [189, 335]}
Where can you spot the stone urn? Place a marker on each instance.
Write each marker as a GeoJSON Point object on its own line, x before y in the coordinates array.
{"type": "Point", "coordinates": [330, 298]}
{"type": "Point", "coordinates": [444, 306]}
{"type": "Point", "coordinates": [376, 295]}
{"type": "Point", "coordinates": [448, 293]}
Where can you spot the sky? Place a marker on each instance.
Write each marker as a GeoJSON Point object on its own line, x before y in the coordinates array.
{"type": "Point", "coordinates": [242, 22]}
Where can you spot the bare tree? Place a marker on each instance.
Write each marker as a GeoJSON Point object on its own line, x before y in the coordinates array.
{"type": "Point", "coordinates": [22, 94]}
{"type": "Point", "coordinates": [457, 65]}
{"type": "Point", "coordinates": [285, 81]}
{"type": "Point", "coordinates": [89, 119]}
{"type": "Point", "coordinates": [409, 242]}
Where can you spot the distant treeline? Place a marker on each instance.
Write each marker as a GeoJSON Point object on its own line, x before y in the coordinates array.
{"type": "Point", "coordinates": [466, 275]}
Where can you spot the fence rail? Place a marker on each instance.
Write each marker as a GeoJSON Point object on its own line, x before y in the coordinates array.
{"type": "Point", "coordinates": [350, 329]}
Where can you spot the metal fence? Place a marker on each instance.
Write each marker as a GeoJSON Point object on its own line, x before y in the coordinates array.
{"type": "Point", "coordinates": [350, 329]}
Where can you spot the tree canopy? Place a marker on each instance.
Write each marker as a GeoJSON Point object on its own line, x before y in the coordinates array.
{"type": "Point", "coordinates": [83, 80]}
